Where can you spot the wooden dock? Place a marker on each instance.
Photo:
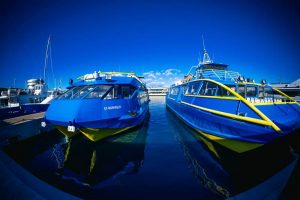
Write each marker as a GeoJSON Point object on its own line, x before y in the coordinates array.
{"type": "Point", "coordinates": [21, 119]}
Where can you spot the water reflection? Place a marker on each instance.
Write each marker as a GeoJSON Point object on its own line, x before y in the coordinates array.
{"type": "Point", "coordinates": [93, 162]}
{"type": "Point", "coordinates": [227, 173]}
{"type": "Point", "coordinates": [163, 159]}
{"type": "Point", "coordinates": [79, 166]}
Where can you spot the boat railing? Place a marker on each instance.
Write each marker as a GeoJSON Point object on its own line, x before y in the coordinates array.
{"type": "Point", "coordinates": [264, 119]}
{"type": "Point", "coordinates": [286, 97]}
{"type": "Point", "coordinates": [102, 74]}
{"type": "Point", "coordinates": [219, 75]}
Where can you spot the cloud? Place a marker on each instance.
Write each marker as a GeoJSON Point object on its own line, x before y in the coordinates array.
{"type": "Point", "coordinates": [163, 78]}
{"type": "Point", "coordinates": [171, 72]}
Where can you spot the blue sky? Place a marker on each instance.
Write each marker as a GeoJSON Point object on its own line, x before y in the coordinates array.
{"type": "Point", "coordinates": [159, 39]}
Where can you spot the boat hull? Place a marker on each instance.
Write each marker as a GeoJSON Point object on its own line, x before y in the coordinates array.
{"type": "Point", "coordinates": [101, 133]}
{"type": "Point", "coordinates": [97, 127]}
{"type": "Point", "coordinates": [236, 135]}
{"type": "Point", "coordinates": [97, 134]}
{"type": "Point", "coordinates": [31, 108]}
{"type": "Point", "coordinates": [10, 112]}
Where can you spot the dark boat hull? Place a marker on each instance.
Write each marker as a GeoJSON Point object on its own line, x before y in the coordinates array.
{"type": "Point", "coordinates": [34, 108]}
{"type": "Point", "coordinates": [10, 112]}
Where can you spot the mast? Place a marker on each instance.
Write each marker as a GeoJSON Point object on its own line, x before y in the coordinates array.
{"type": "Point", "coordinates": [46, 59]}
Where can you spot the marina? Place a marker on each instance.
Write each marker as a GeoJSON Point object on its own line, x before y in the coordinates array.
{"type": "Point", "coordinates": [136, 164]}
{"type": "Point", "coordinates": [119, 100]}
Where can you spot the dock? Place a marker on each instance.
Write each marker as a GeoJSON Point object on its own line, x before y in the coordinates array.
{"type": "Point", "coordinates": [16, 181]}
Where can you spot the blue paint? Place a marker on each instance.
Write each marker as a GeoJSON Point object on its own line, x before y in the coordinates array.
{"type": "Point", "coordinates": [201, 90]}
{"type": "Point", "coordinates": [89, 108]}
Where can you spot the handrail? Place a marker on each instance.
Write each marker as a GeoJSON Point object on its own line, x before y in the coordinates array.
{"type": "Point", "coordinates": [263, 116]}
{"type": "Point", "coordinates": [287, 96]}
{"type": "Point", "coordinates": [219, 74]}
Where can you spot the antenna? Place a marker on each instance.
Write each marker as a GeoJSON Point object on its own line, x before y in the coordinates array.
{"type": "Point", "coordinates": [206, 58]}
{"type": "Point", "coordinates": [199, 58]}
{"type": "Point", "coordinates": [203, 43]}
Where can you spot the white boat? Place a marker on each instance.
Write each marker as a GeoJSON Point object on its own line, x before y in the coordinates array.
{"type": "Point", "coordinates": [15, 102]}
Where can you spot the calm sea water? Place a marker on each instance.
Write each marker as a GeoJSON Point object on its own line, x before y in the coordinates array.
{"type": "Point", "coordinates": [162, 159]}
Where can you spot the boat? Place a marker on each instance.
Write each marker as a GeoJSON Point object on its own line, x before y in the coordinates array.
{"type": "Point", "coordinates": [36, 97]}
{"type": "Point", "coordinates": [99, 105]}
{"type": "Point", "coordinates": [234, 111]}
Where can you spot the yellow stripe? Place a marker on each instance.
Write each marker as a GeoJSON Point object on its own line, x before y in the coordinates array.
{"type": "Point", "coordinates": [212, 97]}
{"type": "Point", "coordinates": [249, 83]}
{"type": "Point", "coordinates": [99, 134]}
{"type": "Point", "coordinates": [282, 93]}
{"type": "Point", "coordinates": [64, 130]}
{"type": "Point", "coordinates": [263, 116]}
{"type": "Point", "coordinates": [235, 145]}
{"type": "Point", "coordinates": [268, 103]}
{"type": "Point", "coordinates": [247, 119]}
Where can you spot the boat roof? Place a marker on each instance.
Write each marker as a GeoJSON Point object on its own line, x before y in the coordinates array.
{"type": "Point", "coordinates": [215, 66]}
{"type": "Point", "coordinates": [108, 78]}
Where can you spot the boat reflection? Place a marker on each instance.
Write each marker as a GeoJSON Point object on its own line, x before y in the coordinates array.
{"type": "Point", "coordinates": [257, 174]}
{"type": "Point", "coordinates": [89, 163]}
{"type": "Point", "coordinates": [77, 165]}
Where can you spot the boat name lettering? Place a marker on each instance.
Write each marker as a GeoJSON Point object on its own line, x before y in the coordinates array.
{"type": "Point", "coordinates": [112, 107]}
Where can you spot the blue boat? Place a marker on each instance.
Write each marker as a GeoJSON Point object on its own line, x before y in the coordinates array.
{"type": "Point", "coordinates": [233, 111]}
{"type": "Point", "coordinates": [100, 105]}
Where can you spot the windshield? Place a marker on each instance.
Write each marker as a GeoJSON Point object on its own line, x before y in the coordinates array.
{"type": "Point", "coordinates": [99, 91]}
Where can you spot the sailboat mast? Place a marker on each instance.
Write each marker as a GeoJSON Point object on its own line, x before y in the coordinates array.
{"type": "Point", "coordinates": [46, 59]}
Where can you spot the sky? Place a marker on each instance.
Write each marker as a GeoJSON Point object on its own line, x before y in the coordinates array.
{"type": "Point", "coordinates": [160, 40]}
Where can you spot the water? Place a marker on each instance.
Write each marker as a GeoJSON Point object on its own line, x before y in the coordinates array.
{"type": "Point", "coordinates": [162, 159]}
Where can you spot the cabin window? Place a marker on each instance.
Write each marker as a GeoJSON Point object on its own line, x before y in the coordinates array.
{"type": "Point", "coordinates": [98, 91]}
{"type": "Point", "coordinates": [174, 91]}
{"type": "Point", "coordinates": [268, 92]}
{"type": "Point", "coordinates": [118, 92]}
{"type": "Point", "coordinates": [251, 91]}
{"type": "Point", "coordinates": [209, 89]}
{"type": "Point", "coordinates": [83, 92]}
{"type": "Point", "coordinates": [183, 89]}
{"type": "Point", "coordinates": [203, 88]}
{"type": "Point", "coordinates": [223, 92]}
{"type": "Point", "coordinates": [143, 97]}
{"type": "Point", "coordinates": [260, 92]}
{"type": "Point", "coordinates": [241, 90]}
{"type": "Point", "coordinates": [127, 91]}
{"type": "Point", "coordinates": [192, 88]}
{"type": "Point", "coordinates": [232, 87]}
{"type": "Point", "coordinates": [112, 93]}
{"type": "Point", "coordinates": [70, 93]}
